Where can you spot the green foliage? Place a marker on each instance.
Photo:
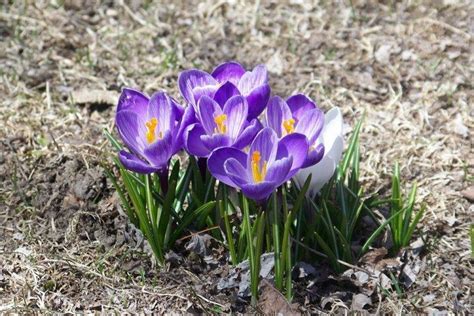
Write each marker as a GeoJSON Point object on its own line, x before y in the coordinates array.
{"type": "Point", "coordinates": [291, 225]}
{"type": "Point", "coordinates": [403, 219]}
{"type": "Point", "coordinates": [155, 203]}
{"type": "Point", "coordinates": [330, 225]}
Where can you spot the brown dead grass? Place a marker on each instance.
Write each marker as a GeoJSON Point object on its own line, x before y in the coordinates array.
{"type": "Point", "coordinates": [408, 66]}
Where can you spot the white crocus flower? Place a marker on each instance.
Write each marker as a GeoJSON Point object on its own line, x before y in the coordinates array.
{"type": "Point", "coordinates": [332, 138]}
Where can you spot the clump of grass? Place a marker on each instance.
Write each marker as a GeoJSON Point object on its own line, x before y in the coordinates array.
{"type": "Point", "coordinates": [330, 225]}
{"type": "Point", "coordinates": [158, 212]}
{"type": "Point", "coordinates": [404, 219]}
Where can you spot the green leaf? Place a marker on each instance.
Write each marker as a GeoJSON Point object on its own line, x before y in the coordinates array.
{"type": "Point", "coordinates": [377, 232]}
{"type": "Point", "coordinates": [112, 140]}
{"type": "Point", "coordinates": [409, 211]}
{"type": "Point", "coordinates": [350, 150]}
{"type": "Point", "coordinates": [128, 209]}
{"type": "Point", "coordinates": [327, 250]}
{"type": "Point", "coordinates": [412, 228]}
{"type": "Point", "coordinates": [189, 218]}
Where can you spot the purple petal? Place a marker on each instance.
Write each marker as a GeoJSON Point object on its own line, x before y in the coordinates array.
{"type": "Point", "coordinates": [248, 134]}
{"type": "Point", "coordinates": [299, 104]}
{"type": "Point", "coordinates": [266, 144]}
{"type": "Point", "coordinates": [257, 100]}
{"type": "Point", "coordinates": [311, 125]}
{"type": "Point", "coordinates": [215, 141]}
{"type": "Point", "coordinates": [131, 129]}
{"type": "Point", "coordinates": [251, 80]}
{"type": "Point", "coordinates": [188, 119]}
{"type": "Point", "coordinates": [207, 111]}
{"type": "Point", "coordinates": [217, 159]}
{"type": "Point", "coordinates": [133, 100]}
{"type": "Point", "coordinates": [230, 71]}
{"type": "Point", "coordinates": [178, 109]}
{"type": "Point", "coordinates": [294, 145]}
{"type": "Point", "coordinates": [278, 171]}
{"type": "Point", "coordinates": [277, 112]}
{"type": "Point", "coordinates": [225, 92]}
{"type": "Point", "coordinates": [160, 152]}
{"type": "Point", "coordinates": [193, 82]}
{"type": "Point", "coordinates": [160, 108]}
{"type": "Point", "coordinates": [193, 142]}
{"type": "Point", "coordinates": [133, 163]}
{"type": "Point", "coordinates": [259, 191]}
{"type": "Point", "coordinates": [236, 110]}
{"type": "Point", "coordinates": [236, 172]}
{"type": "Point", "coordinates": [314, 156]}
{"type": "Point", "coordinates": [208, 91]}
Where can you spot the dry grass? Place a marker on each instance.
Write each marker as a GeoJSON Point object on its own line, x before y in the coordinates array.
{"type": "Point", "coordinates": [408, 66]}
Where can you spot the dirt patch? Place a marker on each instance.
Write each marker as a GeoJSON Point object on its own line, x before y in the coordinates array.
{"type": "Point", "coordinates": [65, 245]}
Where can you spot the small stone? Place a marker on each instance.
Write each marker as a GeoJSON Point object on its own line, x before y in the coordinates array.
{"type": "Point", "coordinates": [469, 193]}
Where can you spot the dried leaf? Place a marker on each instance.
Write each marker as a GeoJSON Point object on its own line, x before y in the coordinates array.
{"type": "Point", "coordinates": [199, 244]}
{"type": "Point", "coordinates": [302, 270]}
{"type": "Point", "coordinates": [359, 301]}
{"type": "Point", "coordinates": [373, 256]}
{"type": "Point", "coordinates": [239, 276]}
{"type": "Point", "coordinates": [272, 302]}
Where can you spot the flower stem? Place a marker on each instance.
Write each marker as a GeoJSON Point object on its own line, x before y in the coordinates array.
{"type": "Point", "coordinates": [202, 164]}
{"type": "Point", "coordinates": [163, 176]}
{"type": "Point", "coordinates": [276, 243]}
{"type": "Point", "coordinates": [223, 208]}
{"type": "Point", "coordinates": [253, 266]}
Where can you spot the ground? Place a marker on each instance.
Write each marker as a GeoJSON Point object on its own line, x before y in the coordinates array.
{"type": "Point", "coordinates": [64, 245]}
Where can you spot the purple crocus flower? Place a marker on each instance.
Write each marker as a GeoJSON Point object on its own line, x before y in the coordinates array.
{"type": "Point", "coordinates": [298, 114]}
{"type": "Point", "coordinates": [227, 80]}
{"type": "Point", "coordinates": [150, 128]}
{"type": "Point", "coordinates": [269, 163]}
{"type": "Point", "coordinates": [218, 127]}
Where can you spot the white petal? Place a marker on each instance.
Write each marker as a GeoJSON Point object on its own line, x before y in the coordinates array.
{"type": "Point", "coordinates": [334, 145]}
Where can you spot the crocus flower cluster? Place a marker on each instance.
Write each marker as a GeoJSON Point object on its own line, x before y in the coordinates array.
{"type": "Point", "coordinates": [252, 142]}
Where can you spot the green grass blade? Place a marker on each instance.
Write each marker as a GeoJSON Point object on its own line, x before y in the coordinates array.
{"type": "Point", "coordinates": [115, 143]}
{"type": "Point", "coordinates": [377, 232]}
{"type": "Point", "coordinates": [412, 227]}
{"type": "Point", "coordinates": [327, 251]}
{"type": "Point", "coordinates": [189, 218]}
{"type": "Point", "coordinates": [346, 248]}
{"type": "Point", "coordinates": [128, 209]}
{"type": "Point", "coordinates": [276, 242]}
{"type": "Point", "coordinates": [346, 160]}
{"type": "Point", "coordinates": [409, 211]}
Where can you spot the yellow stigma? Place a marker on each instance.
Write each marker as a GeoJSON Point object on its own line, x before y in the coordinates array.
{"type": "Point", "coordinates": [220, 122]}
{"type": "Point", "coordinates": [289, 125]}
{"type": "Point", "coordinates": [151, 127]}
{"type": "Point", "coordinates": [257, 173]}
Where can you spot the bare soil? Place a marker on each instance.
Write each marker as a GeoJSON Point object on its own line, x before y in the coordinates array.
{"type": "Point", "coordinates": [64, 245]}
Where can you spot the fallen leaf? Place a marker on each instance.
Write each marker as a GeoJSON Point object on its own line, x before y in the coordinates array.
{"type": "Point", "coordinates": [407, 277]}
{"type": "Point", "coordinates": [359, 301]}
{"type": "Point", "coordinates": [374, 256]}
{"type": "Point", "coordinates": [272, 302]}
{"type": "Point", "coordinates": [199, 244]}
{"type": "Point", "coordinates": [303, 269]}
{"type": "Point", "coordinates": [239, 276]}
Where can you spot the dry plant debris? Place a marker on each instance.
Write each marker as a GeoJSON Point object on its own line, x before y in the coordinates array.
{"type": "Point", "coordinates": [65, 246]}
